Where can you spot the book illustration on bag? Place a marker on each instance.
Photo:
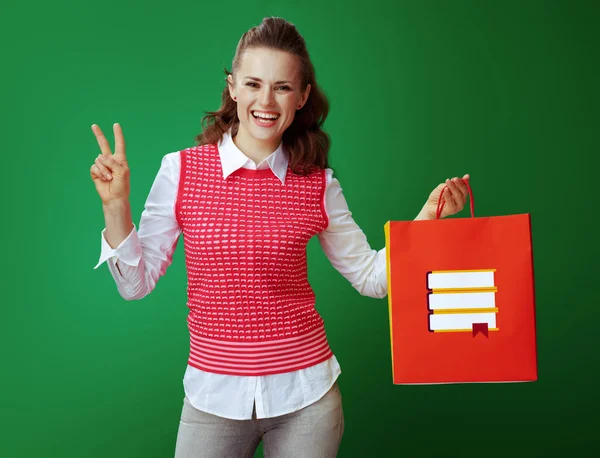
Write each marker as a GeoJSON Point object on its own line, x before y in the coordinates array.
{"type": "Point", "coordinates": [462, 301]}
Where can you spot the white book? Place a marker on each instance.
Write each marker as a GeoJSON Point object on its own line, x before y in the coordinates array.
{"type": "Point", "coordinates": [461, 280]}
{"type": "Point", "coordinates": [461, 321]}
{"type": "Point", "coordinates": [462, 300]}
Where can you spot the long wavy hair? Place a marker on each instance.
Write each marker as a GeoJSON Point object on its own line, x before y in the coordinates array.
{"type": "Point", "coordinates": [305, 141]}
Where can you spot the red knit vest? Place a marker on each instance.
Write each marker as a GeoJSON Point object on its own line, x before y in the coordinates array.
{"type": "Point", "coordinates": [252, 310]}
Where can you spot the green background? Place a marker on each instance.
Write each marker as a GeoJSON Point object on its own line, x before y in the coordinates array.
{"type": "Point", "coordinates": [419, 91]}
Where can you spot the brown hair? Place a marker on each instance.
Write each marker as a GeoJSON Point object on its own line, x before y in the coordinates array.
{"type": "Point", "coordinates": [306, 142]}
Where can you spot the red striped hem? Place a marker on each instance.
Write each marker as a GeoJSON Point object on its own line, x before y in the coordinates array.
{"type": "Point", "coordinates": [259, 358]}
{"type": "Point", "coordinates": [262, 346]}
{"type": "Point", "coordinates": [278, 369]}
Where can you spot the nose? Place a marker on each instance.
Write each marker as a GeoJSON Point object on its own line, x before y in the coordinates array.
{"type": "Point", "coordinates": [266, 97]}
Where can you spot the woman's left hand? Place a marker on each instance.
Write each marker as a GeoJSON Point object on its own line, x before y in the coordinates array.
{"type": "Point", "coordinates": [455, 196]}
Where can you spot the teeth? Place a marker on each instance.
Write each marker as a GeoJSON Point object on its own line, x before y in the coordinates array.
{"type": "Point", "coordinates": [265, 115]}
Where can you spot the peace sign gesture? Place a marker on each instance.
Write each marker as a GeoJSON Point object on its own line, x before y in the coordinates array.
{"type": "Point", "coordinates": [109, 172]}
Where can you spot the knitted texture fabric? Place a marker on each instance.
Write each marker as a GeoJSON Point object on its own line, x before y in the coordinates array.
{"type": "Point", "coordinates": [251, 308]}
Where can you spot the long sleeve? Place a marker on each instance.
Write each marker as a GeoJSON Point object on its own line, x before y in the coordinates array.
{"type": "Point", "coordinates": [144, 256]}
{"type": "Point", "coordinates": [346, 245]}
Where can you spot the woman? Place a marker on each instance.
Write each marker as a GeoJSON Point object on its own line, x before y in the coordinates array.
{"type": "Point", "coordinates": [248, 199]}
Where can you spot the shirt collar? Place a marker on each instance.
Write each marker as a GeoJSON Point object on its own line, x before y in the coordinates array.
{"type": "Point", "coordinates": [233, 159]}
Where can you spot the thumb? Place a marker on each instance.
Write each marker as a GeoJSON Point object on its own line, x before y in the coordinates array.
{"type": "Point", "coordinates": [438, 190]}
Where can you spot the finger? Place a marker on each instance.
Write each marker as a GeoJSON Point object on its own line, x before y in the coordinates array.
{"type": "Point", "coordinates": [95, 173]}
{"type": "Point", "coordinates": [102, 142]}
{"type": "Point", "coordinates": [459, 197]}
{"type": "Point", "coordinates": [100, 163]}
{"type": "Point", "coordinates": [113, 165]}
{"type": "Point", "coordinates": [119, 142]}
{"type": "Point", "coordinates": [451, 193]}
{"type": "Point", "coordinates": [462, 187]}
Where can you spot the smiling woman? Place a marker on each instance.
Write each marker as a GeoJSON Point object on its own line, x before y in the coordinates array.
{"type": "Point", "coordinates": [266, 103]}
{"type": "Point", "coordinates": [247, 199]}
{"type": "Point", "coordinates": [272, 95]}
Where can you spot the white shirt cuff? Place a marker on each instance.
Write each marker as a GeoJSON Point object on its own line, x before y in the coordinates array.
{"type": "Point", "coordinates": [128, 252]}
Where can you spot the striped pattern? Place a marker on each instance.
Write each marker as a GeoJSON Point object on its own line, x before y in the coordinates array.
{"type": "Point", "coordinates": [259, 358]}
{"type": "Point", "coordinates": [252, 310]}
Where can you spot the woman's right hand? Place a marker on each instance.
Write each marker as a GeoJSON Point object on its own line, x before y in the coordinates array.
{"type": "Point", "coordinates": [110, 173]}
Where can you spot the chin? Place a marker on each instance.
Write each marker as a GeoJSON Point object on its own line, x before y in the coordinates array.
{"type": "Point", "coordinates": [265, 135]}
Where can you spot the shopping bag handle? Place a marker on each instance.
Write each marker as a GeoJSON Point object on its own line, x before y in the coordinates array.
{"type": "Point", "coordinates": [441, 203]}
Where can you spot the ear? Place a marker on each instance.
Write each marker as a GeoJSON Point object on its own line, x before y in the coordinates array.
{"type": "Point", "coordinates": [304, 97]}
{"type": "Point", "coordinates": [231, 86]}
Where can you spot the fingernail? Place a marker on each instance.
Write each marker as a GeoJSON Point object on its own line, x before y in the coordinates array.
{"type": "Point", "coordinates": [108, 176]}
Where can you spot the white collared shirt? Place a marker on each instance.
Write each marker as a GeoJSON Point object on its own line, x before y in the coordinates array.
{"type": "Point", "coordinates": [144, 256]}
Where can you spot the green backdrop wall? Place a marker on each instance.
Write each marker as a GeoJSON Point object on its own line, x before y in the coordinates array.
{"type": "Point", "coordinates": [420, 91]}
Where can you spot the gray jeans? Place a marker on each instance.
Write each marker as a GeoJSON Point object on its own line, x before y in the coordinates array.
{"type": "Point", "coordinates": [314, 431]}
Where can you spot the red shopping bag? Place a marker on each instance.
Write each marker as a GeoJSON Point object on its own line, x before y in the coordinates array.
{"type": "Point", "coordinates": [461, 299]}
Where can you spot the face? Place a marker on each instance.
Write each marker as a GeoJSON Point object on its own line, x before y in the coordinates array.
{"type": "Point", "coordinates": [267, 89]}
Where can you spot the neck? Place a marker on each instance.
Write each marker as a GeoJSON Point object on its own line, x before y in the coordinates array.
{"type": "Point", "coordinates": [254, 149]}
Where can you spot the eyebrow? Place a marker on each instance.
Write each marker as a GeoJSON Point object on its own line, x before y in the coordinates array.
{"type": "Point", "coordinates": [253, 78]}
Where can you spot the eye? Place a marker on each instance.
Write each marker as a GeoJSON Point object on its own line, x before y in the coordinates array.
{"type": "Point", "coordinates": [285, 88]}
{"type": "Point", "coordinates": [251, 84]}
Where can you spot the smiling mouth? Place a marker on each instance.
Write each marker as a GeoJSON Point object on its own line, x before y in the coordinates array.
{"type": "Point", "coordinates": [262, 119]}
{"type": "Point", "coordinates": [265, 116]}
